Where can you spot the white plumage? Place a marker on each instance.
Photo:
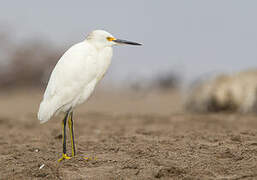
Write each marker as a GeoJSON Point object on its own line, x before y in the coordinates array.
{"type": "Point", "coordinates": [74, 79]}
{"type": "Point", "coordinates": [75, 75]}
{"type": "Point", "coordinates": [77, 72]}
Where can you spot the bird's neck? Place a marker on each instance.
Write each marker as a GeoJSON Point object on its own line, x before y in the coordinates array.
{"type": "Point", "coordinates": [98, 45]}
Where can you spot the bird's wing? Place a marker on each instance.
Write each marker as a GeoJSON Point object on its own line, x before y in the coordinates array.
{"type": "Point", "coordinates": [75, 70]}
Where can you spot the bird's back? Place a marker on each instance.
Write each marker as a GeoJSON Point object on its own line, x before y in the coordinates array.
{"type": "Point", "coordinates": [75, 70]}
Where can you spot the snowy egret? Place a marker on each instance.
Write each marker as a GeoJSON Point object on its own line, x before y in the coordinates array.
{"type": "Point", "coordinates": [74, 78]}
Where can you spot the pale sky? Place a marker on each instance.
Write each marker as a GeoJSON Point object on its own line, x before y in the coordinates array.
{"type": "Point", "coordinates": [191, 37]}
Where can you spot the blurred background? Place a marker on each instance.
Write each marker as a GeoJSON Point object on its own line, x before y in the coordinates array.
{"type": "Point", "coordinates": [186, 44]}
{"type": "Point", "coordinates": [182, 105]}
{"type": "Point", "coordinates": [185, 39]}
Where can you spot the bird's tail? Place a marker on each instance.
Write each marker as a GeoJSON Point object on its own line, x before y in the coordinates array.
{"type": "Point", "coordinates": [46, 111]}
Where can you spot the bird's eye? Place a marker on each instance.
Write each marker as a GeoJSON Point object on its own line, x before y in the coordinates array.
{"type": "Point", "coordinates": [110, 38]}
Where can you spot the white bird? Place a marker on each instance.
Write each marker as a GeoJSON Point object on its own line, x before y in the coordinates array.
{"type": "Point", "coordinates": [74, 79]}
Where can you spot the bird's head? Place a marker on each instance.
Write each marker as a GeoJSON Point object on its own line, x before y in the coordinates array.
{"type": "Point", "coordinates": [102, 38]}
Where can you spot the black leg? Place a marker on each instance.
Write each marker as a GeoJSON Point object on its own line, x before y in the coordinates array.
{"type": "Point", "coordinates": [64, 155]}
{"type": "Point", "coordinates": [64, 132]}
{"type": "Point", "coordinates": [70, 121]}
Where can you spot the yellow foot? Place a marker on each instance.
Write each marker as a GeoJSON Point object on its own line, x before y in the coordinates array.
{"type": "Point", "coordinates": [64, 156]}
{"type": "Point", "coordinates": [90, 158]}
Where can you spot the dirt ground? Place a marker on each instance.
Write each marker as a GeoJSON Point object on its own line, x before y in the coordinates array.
{"type": "Point", "coordinates": [129, 136]}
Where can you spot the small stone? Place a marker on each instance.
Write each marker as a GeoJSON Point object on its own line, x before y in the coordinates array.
{"type": "Point", "coordinates": [41, 166]}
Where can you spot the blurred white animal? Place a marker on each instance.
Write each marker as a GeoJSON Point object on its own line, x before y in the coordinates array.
{"type": "Point", "coordinates": [237, 92]}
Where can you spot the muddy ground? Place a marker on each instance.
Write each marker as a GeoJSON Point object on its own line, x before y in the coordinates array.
{"type": "Point", "coordinates": [129, 136]}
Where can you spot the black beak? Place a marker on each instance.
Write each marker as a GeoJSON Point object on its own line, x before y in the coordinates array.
{"type": "Point", "coordinates": [126, 42]}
